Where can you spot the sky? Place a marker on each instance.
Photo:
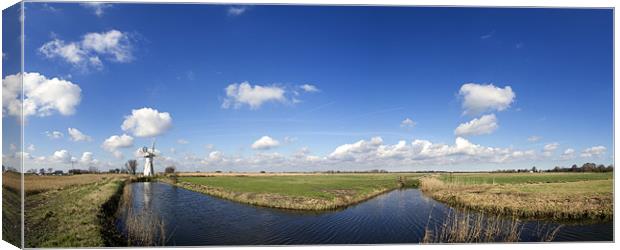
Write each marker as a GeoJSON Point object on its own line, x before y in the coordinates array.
{"type": "Point", "coordinates": [312, 88]}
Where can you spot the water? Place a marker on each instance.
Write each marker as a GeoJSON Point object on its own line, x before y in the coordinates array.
{"type": "Point", "coordinates": [400, 216]}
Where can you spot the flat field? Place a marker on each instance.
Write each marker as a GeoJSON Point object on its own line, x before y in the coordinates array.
{"type": "Point", "coordinates": [305, 192]}
{"type": "Point", "coordinates": [564, 196]}
{"type": "Point", "coordinates": [70, 211]}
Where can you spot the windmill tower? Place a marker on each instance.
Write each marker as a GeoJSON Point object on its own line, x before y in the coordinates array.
{"type": "Point", "coordinates": [149, 154]}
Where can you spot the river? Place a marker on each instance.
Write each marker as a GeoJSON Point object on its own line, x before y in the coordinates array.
{"type": "Point", "coordinates": [400, 216]}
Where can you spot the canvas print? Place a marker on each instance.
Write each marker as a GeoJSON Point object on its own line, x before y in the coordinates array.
{"type": "Point", "coordinates": [153, 124]}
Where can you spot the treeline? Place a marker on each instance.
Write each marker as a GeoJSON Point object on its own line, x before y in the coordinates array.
{"type": "Point", "coordinates": [586, 167]}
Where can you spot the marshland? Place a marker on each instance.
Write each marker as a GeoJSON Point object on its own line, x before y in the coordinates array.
{"type": "Point", "coordinates": [315, 208]}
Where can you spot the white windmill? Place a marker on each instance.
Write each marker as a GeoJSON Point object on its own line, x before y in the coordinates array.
{"type": "Point", "coordinates": [148, 155]}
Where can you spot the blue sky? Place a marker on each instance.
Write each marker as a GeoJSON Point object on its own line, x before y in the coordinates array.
{"type": "Point", "coordinates": [318, 87]}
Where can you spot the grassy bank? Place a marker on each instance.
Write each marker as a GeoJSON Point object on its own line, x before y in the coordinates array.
{"type": "Point", "coordinates": [72, 211]}
{"type": "Point", "coordinates": [301, 192]}
{"type": "Point", "coordinates": [11, 208]}
{"type": "Point", "coordinates": [562, 196]}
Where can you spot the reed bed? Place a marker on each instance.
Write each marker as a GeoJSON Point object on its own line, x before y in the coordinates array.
{"type": "Point", "coordinates": [462, 226]}
{"type": "Point", "coordinates": [579, 200]}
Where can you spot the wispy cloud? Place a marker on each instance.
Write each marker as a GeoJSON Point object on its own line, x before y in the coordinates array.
{"type": "Point", "coordinates": [488, 35]}
{"type": "Point", "coordinates": [237, 10]}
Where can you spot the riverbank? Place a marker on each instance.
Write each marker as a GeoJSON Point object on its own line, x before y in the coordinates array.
{"type": "Point", "coordinates": [559, 196]}
{"type": "Point", "coordinates": [71, 211]}
{"type": "Point", "coordinates": [298, 192]}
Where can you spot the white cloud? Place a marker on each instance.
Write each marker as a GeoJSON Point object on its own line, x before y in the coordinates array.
{"type": "Point", "coordinates": [54, 134]}
{"type": "Point", "coordinates": [533, 138]}
{"type": "Point", "coordinates": [31, 148]}
{"type": "Point", "coordinates": [265, 143]}
{"type": "Point", "coordinates": [290, 139]}
{"type": "Point", "coordinates": [478, 126]}
{"type": "Point", "coordinates": [241, 94]}
{"type": "Point", "coordinates": [593, 151]}
{"type": "Point", "coordinates": [478, 98]}
{"type": "Point", "coordinates": [77, 135]}
{"type": "Point", "coordinates": [43, 96]}
{"type": "Point", "coordinates": [61, 156]}
{"type": "Point", "coordinates": [98, 8]}
{"type": "Point", "coordinates": [113, 44]}
{"type": "Point", "coordinates": [113, 143]}
{"type": "Point", "coordinates": [422, 152]}
{"type": "Point", "coordinates": [309, 88]}
{"type": "Point", "coordinates": [147, 122]}
{"type": "Point", "coordinates": [407, 123]}
{"type": "Point", "coordinates": [182, 141]}
{"type": "Point", "coordinates": [236, 10]}
{"type": "Point", "coordinates": [568, 154]}
{"type": "Point", "coordinates": [548, 149]}
{"type": "Point", "coordinates": [88, 159]}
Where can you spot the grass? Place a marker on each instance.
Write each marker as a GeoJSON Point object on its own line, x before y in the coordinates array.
{"type": "Point", "coordinates": [11, 208]}
{"type": "Point", "coordinates": [561, 196]}
{"type": "Point", "coordinates": [301, 192]}
{"type": "Point", "coordinates": [71, 212]}
{"type": "Point", "coordinates": [141, 228]}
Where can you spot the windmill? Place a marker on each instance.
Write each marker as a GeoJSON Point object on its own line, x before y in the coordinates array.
{"type": "Point", "coordinates": [149, 154]}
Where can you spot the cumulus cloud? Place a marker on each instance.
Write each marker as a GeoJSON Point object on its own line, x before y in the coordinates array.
{"type": "Point", "coordinates": [568, 154]}
{"type": "Point", "coordinates": [77, 135]}
{"type": "Point", "coordinates": [236, 10]}
{"type": "Point", "coordinates": [241, 94]}
{"type": "Point", "coordinates": [54, 134]}
{"type": "Point", "coordinates": [479, 126]}
{"type": "Point", "coordinates": [478, 98]}
{"type": "Point", "coordinates": [88, 159]}
{"type": "Point", "coordinates": [593, 151]}
{"type": "Point", "coordinates": [407, 123]}
{"type": "Point", "coordinates": [182, 141]}
{"type": "Point", "coordinates": [31, 148]}
{"type": "Point", "coordinates": [265, 143]}
{"type": "Point", "coordinates": [62, 156]}
{"type": "Point", "coordinates": [147, 122]}
{"type": "Point", "coordinates": [309, 88]}
{"type": "Point", "coordinates": [115, 142]}
{"type": "Point", "coordinates": [43, 96]}
{"type": "Point", "coordinates": [113, 45]}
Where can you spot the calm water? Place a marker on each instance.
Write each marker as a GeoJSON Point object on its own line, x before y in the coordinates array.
{"type": "Point", "coordinates": [401, 216]}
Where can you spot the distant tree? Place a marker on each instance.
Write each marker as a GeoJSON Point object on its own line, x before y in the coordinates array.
{"type": "Point", "coordinates": [262, 171]}
{"type": "Point", "coordinates": [170, 169]}
{"type": "Point", "coordinates": [50, 170]}
{"type": "Point", "coordinates": [131, 166]}
{"type": "Point", "coordinates": [42, 171]}
{"type": "Point", "coordinates": [534, 169]}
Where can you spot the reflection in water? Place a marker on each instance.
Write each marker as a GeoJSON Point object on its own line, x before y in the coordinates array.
{"type": "Point", "coordinates": [401, 216]}
{"type": "Point", "coordinates": [147, 194]}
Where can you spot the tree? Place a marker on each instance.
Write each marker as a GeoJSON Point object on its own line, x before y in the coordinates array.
{"type": "Point", "coordinates": [170, 169]}
{"type": "Point", "coordinates": [534, 169]}
{"type": "Point", "coordinates": [131, 166]}
{"type": "Point", "coordinates": [42, 171]}
{"type": "Point", "coordinates": [50, 170]}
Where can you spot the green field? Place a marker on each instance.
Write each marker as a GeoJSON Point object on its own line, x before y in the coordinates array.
{"type": "Point", "coordinates": [307, 192]}
{"type": "Point", "coordinates": [521, 178]}
{"type": "Point", "coordinates": [566, 196]}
